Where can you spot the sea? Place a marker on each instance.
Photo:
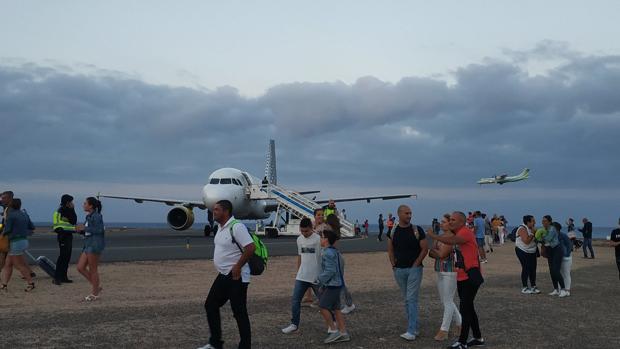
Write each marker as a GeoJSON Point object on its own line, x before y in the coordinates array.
{"type": "Point", "coordinates": [597, 232]}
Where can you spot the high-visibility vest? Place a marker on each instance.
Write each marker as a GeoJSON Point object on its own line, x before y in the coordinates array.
{"type": "Point", "coordinates": [329, 211]}
{"type": "Point", "coordinates": [60, 223]}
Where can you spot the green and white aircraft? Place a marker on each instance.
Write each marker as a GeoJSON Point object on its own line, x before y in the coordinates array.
{"type": "Point", "coordinates": [525, 174]}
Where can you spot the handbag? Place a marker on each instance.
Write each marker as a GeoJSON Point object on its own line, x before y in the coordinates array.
{"type": "Point", "coordinates": [4, 244]}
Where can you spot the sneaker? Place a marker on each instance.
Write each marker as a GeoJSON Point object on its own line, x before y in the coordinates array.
{"type": "Point", "coordinates": [347, 309]}
{"type": "Point", "coordinates": [208, 346]}
{"type": "Point", "coordinates": [567, 293]}
{"type": "Point", "coordinates": [408, 336]}
{"type": "Point", "coordinates": [476, 342]}
{"type": "Point", "coordinates": [332, 337]}
{"type": "Point", "coordinates": [526, 290]}
{"type": "Point", "coordinates": [289, 329]}
{"type": "Point", "coordinates": [484, 261]}
{"type": "Point", "coordinates": [329, 330]}
{"type": "Point", "coordinates": [563, 294]}
{"type": "Point", "coordinates": [457, 345]}
{"type": "Point", "coordinates": [534, 290]}
{"type": "Point", "coordinates": [554, 293]}
{"type": "Point", "coordinates": [345, 337]}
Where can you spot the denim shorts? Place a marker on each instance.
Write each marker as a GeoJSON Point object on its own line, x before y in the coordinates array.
{"type": "Point", "coordinates": [17, 247]}
{"type": "Point", "coordinates": [329, 298]}
{"type": "Point", "coordinates": [93, 245]}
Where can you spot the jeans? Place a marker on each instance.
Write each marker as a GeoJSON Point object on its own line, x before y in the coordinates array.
{"type": "Point", "coordinates": [528, 267]}
{"type": "Point", "coordinates": [587, 242]}
{"type": "Point", "coordinates": [567, 262]}
{"type": "Point", "coordinates": [65, 244]}
{"type": "Point", "coordinates": [224, 288]}
{"type": "Point", "coordinates": [467, 294]}
{"type": "Point", "coordinates": [409, 281]}
{"type": "Point", "coordinates": [446, 284]}
{"type": "Point", "coordinates": [554, 258]}
{"type": "Point", "coordinates": [298, 293]}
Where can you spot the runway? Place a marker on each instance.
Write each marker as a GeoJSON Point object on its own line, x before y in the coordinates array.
{"type": "Point", "coordinates": [167, 244]}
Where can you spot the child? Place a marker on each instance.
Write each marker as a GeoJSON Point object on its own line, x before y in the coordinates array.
{"type": "Point", "coordinates": [331, 282]}
{"type": "Point", "coordinates": [308, 264]}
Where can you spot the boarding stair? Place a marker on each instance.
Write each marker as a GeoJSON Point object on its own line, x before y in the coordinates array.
{"type": "Point", "coordinates": [300, 206]}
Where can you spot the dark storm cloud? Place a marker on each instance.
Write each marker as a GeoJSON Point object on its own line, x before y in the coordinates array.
{"type": "Point", "coordinates": [493, 117]}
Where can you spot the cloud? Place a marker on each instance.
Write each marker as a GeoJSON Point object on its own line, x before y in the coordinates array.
{"type": "Point", "coordinates": [88, 124]}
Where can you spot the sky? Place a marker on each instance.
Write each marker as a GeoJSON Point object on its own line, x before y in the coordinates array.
{"type": "Point", "coordinates": [362, 98]}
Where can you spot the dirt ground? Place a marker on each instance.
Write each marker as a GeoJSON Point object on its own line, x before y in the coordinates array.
{"type": "Point", "coordinates": [160, 305]}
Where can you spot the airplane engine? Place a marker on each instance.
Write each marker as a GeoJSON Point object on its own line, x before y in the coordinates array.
{"type": "Point", "coordinates": [180, 218]}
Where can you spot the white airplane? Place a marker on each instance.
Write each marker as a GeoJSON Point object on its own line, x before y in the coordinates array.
{"type": "Point", "coordinates": [234, 185]}
{"type": "Point", "coordinates": [525, 174]}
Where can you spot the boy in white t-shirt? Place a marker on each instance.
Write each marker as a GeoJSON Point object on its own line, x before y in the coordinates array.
{"type": "Point", "coordinates": [308, 266]}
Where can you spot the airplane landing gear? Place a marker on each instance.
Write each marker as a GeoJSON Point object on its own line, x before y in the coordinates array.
{"type": "Point", "coordinates": [210, 226]}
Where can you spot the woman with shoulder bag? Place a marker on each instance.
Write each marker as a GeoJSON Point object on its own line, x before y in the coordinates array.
{"type": "Point", "coordinates": [468, 275]}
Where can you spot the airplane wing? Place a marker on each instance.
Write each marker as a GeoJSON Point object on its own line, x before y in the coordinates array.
{"type": "Point", "coordinates": [309, 192]}
{"type": "Point", "coordinates": [368, 198]}
{"type": "Point", "coordinates": [169, 202]}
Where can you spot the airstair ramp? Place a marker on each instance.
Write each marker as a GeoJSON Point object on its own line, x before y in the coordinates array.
{"type": "Point", "coordinates": [301, 206]}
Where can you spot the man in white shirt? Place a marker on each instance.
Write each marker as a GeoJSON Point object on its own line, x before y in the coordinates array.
{"type": "Point", "coordinates": [308, 265]}
{"type": "Point", "coordinates": [233, 276]}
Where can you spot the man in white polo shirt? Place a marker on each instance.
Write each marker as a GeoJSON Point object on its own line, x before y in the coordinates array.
{"type": "Point", "coordinates": [233, 276]}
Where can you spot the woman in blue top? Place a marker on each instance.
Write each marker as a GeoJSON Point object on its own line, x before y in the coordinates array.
{"type": "Point", "coordinates": [94, 244]}
{"type": "Point", "coordinates": [555, 254]}
{"type": "Point", "coordinates": [567, 261]}
{"type": "Point", "coordinates": [17, 226]}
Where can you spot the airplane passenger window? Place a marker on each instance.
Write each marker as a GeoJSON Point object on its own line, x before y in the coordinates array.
{"type": "Point", "coordinates": [214, 181]}
{"type": "Point", "coordinates": [226, 181]}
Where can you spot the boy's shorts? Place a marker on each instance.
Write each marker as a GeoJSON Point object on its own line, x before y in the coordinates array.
{"type": "Point", "coordinates": [330, 298]}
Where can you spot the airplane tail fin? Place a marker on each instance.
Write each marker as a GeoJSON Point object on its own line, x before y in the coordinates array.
{"type": "Point", "coordinates": [270, 167]}
{"type": "Point", "coordinates": [525, 173]}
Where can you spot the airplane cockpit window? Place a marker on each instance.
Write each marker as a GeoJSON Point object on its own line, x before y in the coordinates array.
{"type": "Point", "coordinates": [214, 181]}
{"type": "Point", "coordinates": [235, 181]}
{"type": "Point", "coordinates": [226, 181]}
{"type": "Point", "coordinates": [240, 183]}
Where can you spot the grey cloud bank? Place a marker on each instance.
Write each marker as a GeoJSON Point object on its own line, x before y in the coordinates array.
{"type": "Point", "coordinates": [420, 132]}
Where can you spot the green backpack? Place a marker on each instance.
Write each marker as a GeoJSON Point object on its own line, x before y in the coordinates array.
{"type": "Point", "coordinates": [258, 261]}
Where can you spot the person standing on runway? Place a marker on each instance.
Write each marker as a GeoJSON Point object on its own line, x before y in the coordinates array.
{"type": "Point", "coordinates": [380, 227]}
{"type": "Point", "coordinates": [64, 222]}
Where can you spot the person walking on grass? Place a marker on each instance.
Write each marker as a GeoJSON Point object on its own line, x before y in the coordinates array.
{"type": "Point", "coordinates": [446, 280]}
{"type": "Point", "coordinates": [308, 264]}
{"type": "Point", "coordinates": [17, 226]}
{"type": "Point", "coordinates": [469, 278]}
{"type": "Point", "coordinates": [331, 281]}
{"type": "Point", "coordinates": [94, 244]}
{"type": "Point", "coordinates": [406, 251]}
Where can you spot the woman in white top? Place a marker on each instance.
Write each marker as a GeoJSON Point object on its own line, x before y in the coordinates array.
{"type": "Point", "coordinates": [446, 281]}
{"type": "Point", "coordinates": [525, 247]}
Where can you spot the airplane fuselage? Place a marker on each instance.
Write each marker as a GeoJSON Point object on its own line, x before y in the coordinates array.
{"type": "Point", "coordinates": [233, 185]}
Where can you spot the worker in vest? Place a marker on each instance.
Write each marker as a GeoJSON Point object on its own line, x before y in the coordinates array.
{"type": "Point", "coordinates": [330, 209]}
{"type": "Point", "coordinates": [390, 225]}
{"type": "Point", "coordinates": [65, 219]}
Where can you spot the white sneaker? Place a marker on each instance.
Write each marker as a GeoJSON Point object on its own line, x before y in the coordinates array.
{"type": "Point", "coordinates": [330, 331]}
{"type": "Point", "coordinates": [567, 293]}
{"type": "Point", "coordinates": [208, 346]}
{"type": "Point", "coordinates": [348, 309]}
{"type": "Point", "coordinates": [554, 293]}
{"type": "Point", "coordinates": [563, 294]}
{"type": "Point", "coordinates": [408, 336]}
{"type": "Point", "coordinates": [526, 290]}
{"type": "Point", "coordinates": [534, 290]}
{"type": "Point", "coordinates": [289, 329]}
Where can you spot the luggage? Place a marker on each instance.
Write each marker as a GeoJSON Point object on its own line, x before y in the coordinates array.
{"type": "Point", "coordinates": [44, 263]}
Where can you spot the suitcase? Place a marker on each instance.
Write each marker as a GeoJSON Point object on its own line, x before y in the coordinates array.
{"type": "Point", "coordinates": [44, 263]}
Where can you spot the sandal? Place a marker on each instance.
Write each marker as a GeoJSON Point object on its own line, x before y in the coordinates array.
{"type": "Point", "coordinates": [91, 298]}
{"type": "Point", "coordinates": [30, 287]}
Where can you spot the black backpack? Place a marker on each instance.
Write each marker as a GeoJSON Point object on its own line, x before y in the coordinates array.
{"type": "Point", "coordinates": [513, 234]}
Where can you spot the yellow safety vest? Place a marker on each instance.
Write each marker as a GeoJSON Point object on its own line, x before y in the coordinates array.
{"type": "Point", "coordinates": [329, 211]}
{"type": "Point", "coordinates": [60, 223]}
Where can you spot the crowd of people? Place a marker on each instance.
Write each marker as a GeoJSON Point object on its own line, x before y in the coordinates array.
{"type": "Point", "coordinates": [16, 228]}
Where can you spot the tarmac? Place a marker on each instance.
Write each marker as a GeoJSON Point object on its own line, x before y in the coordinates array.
{"type": "Point", "coordinates": [167, 244]}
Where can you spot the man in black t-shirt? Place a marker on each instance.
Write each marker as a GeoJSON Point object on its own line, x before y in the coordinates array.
{"type": "Point", "coordinates": [406, 249]}
{"type": "Point", "coordinates": [615, 242]}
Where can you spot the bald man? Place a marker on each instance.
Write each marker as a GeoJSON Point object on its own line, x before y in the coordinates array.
{"type": "Point", "coordinates": [406, 250]}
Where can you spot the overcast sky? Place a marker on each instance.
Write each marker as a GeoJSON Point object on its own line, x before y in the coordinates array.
{"type": "Point", "coordinates": [149, 98]}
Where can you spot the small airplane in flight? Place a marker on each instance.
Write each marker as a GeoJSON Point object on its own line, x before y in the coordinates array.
{"type": "Point", "coordinates": [525, 174]}
{"type": "Point", "coordinates": [240, 188]}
